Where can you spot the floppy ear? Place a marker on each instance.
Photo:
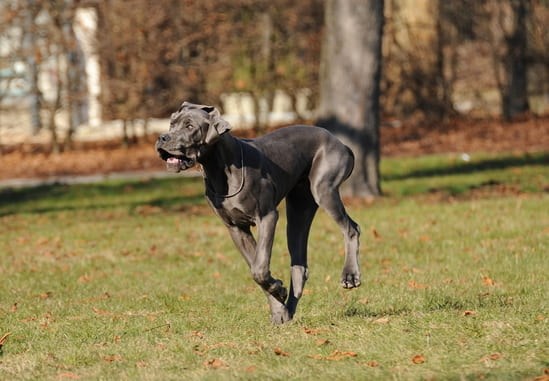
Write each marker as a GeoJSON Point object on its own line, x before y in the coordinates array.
{"type": "Point", "coordinates": [186, 106]}
{"type": "Point", "coordinates": [218, 126]}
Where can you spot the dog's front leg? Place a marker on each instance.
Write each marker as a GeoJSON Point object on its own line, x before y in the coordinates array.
{"type": "Point", "coordinates": [245, 242]}
{"type": "Point", "coordinates": [261, 267]}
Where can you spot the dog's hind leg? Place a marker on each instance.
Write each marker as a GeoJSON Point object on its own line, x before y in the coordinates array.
{"type": "Point", "coordinates": [300, 211]}
{"type": "Point", "coordinates": [246, 244]}
{"type": "Point", "coordinates": [326, 177]}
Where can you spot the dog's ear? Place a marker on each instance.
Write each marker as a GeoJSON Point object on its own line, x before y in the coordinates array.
{"type": "Point", "coordinates": [186, 106]}
{"type": "Point", "coordinates": [218, 126]}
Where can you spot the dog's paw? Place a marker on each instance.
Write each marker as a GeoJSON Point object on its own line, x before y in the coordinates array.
{"type": "Point", "coordinates": [278, 291]}
{"type": "Point", "coordinates": [350, 280]}
{"type": "Point", "coordinates": [280, 315]}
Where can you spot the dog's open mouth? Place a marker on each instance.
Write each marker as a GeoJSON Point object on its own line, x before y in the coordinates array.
{"type": "Point", "coordinates": [176, 163]}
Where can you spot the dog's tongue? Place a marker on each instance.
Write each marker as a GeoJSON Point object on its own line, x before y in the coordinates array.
{"type": "Point", "coordinates": [173, 164]}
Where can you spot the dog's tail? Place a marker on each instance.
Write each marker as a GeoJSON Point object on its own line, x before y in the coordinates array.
{"type": "Point", "coordinates": [351, 165]}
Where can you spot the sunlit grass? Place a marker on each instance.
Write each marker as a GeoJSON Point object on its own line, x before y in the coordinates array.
{"type": "Point", "coordinates": [139, 280]}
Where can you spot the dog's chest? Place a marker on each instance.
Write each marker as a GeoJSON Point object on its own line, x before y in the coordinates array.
{"type": "Point", "coordinates": [232, 212]}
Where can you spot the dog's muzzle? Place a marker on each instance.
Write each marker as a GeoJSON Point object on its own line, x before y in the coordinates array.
{"type": "Point", "coordinates": [176, 160]}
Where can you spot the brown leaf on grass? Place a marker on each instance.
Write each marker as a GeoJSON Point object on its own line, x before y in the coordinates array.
{"type": "Point", "coordinates": [311, 331]}
{"type": "Point", "coordinates": [416, 286]}
{"type": "Point", "coordinates": [372, 364]}
{"type": "Point", "coordinates": [418, 359]}
{"type": "Point", "coordinates": [45, 295]}
{"type": "Point", "coordinates": [487, 281]}
{"type": "Point", "coordinates": [495, 356]}
{"type": "Point", "coordinates": [198, 334]}
{"type": "Point", "coordinates": [215, 364]}
{"type": "Point", "coordinates": [250, 369]}
{"type": "Point", "coordinates": [100, 312]}
{"type": "Point", "coordinates": [424, 238]}
{"type": "Point", "coordinates": [112, 358]}
{"type": "Point", "coordinates": [86, 278]}
{"type": "Point", "coordinates": [381, 320]}
{"type": "Point", "coordinates": [338, 355]}
{"type": "Point", "coordinates": [13, 307]}
{"type": "Point", "coordinates": [69, 375]}
{"type": "Point", "coordinates": [491, 357]}
{"type": "Point", "coordinates": [375, 233]}
{"type": "Point", "coordinates": [279, 352]}
{"type": "Point", "coordinates": [3, 339]}
{"type": "Point", "coordinates": [469, 313]}
{"type": "Point", "coordinates": [321, 342]}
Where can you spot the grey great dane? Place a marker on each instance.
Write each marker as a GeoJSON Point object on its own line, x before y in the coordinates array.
{"type": "Point", "coordinates": [247, 179]}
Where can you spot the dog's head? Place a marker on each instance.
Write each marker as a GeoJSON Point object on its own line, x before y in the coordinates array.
{"type": "Point", "coordinates": [193, 129]}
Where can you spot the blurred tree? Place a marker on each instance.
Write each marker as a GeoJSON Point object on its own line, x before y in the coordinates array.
{"type": "Point", "coordinates": [29, 11]}
{"type": "Point", "coordinates": [276, 46]}
{"type": "Point", "coordinates": [349, 85]}
{"type": "Point", "coordinates": [514, 83]}
{"type": "Point", "coordinates": [156, 54]}
{"type": "Point", "coordinates": [414, 82]}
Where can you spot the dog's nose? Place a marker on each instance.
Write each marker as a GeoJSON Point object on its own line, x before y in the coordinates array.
{"type": "Point", "coordinates": [164, 138]}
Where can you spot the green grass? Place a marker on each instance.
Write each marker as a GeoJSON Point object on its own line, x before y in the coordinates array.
{"type": "Point", "coordinates": [139, 280]}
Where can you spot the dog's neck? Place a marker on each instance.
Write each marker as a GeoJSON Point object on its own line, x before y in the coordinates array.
{"type": "Point", "coordinates": [222, 166]}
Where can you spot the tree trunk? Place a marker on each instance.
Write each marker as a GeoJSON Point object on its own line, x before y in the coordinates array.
{"type": "Point", "coordinates": [29, 47]}
{"type": "Point", "coordinates": [515, 96]}
{"type": "Point", "coordinates": [349, 86]}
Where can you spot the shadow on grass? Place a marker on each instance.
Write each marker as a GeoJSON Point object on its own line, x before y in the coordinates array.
{"type": "Point", "coordinates": [63, 197]}
{"type": "Point", "coordinates": [436, 301]}
{"type": "Point", "coordinates": [462, 168]}
{"type": "Point", "coordinates": [368, 312]}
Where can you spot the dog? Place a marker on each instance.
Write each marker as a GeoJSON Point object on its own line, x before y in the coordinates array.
{"type": "Point", "coordinates": [245, 181]}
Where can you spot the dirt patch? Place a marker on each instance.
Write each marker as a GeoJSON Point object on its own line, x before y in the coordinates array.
{"type": "Point", "coordinates": [87, 158]}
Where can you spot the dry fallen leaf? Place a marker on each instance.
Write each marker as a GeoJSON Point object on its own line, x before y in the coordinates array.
{"type": "Point", "coordinates": [469, 313]}
{"type": "Point", "coordinates": [381, 320]}
{"type": "Point", "coordinates": [340, 355]}
{"type": "Point", "coordinates": [69, 375]}
{"type": "Point", "coordinates": [280, 352]}
{"type": "Point", "coordinates": [99, 311]}
{"type": "Point", "coordinates": [45, 295]}
{"type": "Point", "coordinates": [418, 359]}
{"type": "Point", "coordinates": [112, 358]}
{"type": "Point", "coordinates": [3, 339]}
{"type": "Point", "coordinates": [488, 281]}
{"type": "Point", "coordinates": [375, 233]}
{"type": "Point", "coordinates": [321, 342]}
{"type": "Point", "coordinates": [215, 364]}
{"type": "Point", "coordinates": [544, 377]}
{"type": "Point", "coordinates": [417, 286]}
{"type": "Point", "coordinates": [491, 357]}
{"type": "Point", "coordinates": [372, 364]}
{"type": "Point", "coordinates": [495, 356]}
{"type": "Point", "coordinates": [311, 331]}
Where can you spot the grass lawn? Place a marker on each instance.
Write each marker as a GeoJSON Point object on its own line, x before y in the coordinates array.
{"type": "Point", "coordinates": [139, 280]}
